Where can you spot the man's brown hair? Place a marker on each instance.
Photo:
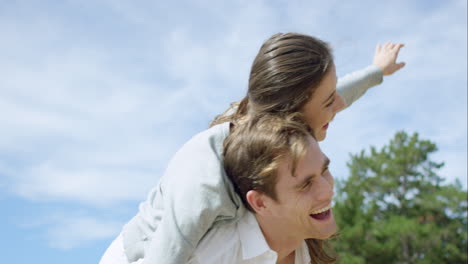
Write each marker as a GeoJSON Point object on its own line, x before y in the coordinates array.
{"type": "Point", "coordinates": [254, 149]}
{"type": "Point", "coordinates": [252, 153]}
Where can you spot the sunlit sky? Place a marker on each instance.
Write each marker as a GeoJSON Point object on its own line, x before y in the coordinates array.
{"type": "Point", "coordinates": [96, 96]}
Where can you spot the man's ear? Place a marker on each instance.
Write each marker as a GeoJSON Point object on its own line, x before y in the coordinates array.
{"type": "Point", "coordinates": [257, 200]}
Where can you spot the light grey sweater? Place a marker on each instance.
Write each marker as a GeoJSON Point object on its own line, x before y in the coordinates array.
{"type": "Point", "coordinates": [194, 194]}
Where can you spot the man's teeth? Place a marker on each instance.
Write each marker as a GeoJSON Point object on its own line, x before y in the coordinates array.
{"type": "Point", "coordinates": [321, 210]}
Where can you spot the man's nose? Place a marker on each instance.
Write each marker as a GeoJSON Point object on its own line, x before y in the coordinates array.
{"type": "Point", "coordinates": [326, 188]}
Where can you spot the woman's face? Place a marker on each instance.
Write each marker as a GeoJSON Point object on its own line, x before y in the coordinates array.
{"type": "Point", "coordinates": [320, 110]}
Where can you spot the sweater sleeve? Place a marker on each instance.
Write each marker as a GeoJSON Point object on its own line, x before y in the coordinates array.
{"type": "Point", "coordinates": [197, 195]}
{"type": "Point", "coordinates": [352, 86]}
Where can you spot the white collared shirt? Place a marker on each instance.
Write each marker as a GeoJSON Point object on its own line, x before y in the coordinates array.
{"type": "Point", "coordinates": [240, 243]}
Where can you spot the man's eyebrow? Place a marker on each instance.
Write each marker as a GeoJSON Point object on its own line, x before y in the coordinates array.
{"type": "Point", "coordinates": [329, 97]}
{"type": "Point", "coordinates": [325, 165]}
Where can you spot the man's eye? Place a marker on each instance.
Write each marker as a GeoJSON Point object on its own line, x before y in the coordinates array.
{"type": "Point", "coordinates": [307, 184]}
{"type": "Point", "coordinates": [330, 104]}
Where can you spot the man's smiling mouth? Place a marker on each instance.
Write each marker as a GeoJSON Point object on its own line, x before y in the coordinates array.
{"type": "Point", "coordinates": [322, 214]}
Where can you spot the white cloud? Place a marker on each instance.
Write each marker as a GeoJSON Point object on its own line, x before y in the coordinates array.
{"type": "Point", "coordinates": [86, 111]}
{"type": "Point", "coordinates": [69, 232]}
{"type": "Point", "coordinates": [96, 186]}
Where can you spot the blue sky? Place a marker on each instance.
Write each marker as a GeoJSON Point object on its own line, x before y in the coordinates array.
{"type": "Point", "coordinates": [96, 96]}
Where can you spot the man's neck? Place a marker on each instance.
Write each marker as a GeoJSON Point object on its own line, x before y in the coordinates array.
{"type": "Point", "coordinates": [282, 243]}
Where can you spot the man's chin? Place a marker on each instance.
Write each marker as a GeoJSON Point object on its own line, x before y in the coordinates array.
{"type": "Point", "coordinates": [326, 234]}
{"type": "Point", "coordinates": [327, 227]}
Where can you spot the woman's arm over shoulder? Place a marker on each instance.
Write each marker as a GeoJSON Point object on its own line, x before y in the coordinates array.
{"type": "Point", "coordinates": [196, 195]}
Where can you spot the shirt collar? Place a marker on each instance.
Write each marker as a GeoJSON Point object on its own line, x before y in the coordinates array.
{"type": "Point", "coordinates": [302, 255]}
{"type": "Point", "coordinates": [254, 244]}
{"type": "Point", "coordinates": [251, 237]}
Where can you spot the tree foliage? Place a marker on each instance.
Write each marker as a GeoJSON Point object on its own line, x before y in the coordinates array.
{"type": "Point", "coordinates": [393, 208]}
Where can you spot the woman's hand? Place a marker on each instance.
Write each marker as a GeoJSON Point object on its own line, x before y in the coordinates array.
{"type": "Point", "coordinates": [385, 57]}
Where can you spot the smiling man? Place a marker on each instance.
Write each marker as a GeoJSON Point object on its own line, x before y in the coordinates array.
{"type": "Point", "coordinates": [282, 177]}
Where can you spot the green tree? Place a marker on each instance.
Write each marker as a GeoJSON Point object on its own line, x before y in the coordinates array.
{"type": "Point", "coordinates": [393, 208]}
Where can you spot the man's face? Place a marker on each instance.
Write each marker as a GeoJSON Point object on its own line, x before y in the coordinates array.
{"type": "Point", "coordinates": [303, 200]}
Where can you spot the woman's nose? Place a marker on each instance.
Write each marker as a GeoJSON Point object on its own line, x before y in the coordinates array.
{"type": "Point", "coordinates": [339, 103]}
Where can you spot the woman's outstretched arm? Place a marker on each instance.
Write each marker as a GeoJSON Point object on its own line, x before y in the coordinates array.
{"type": "Point", "coordinates": [352, 86]}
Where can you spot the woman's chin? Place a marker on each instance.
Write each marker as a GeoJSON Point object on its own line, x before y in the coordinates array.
{"type": "Point", "coordinates": [321, 135]}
